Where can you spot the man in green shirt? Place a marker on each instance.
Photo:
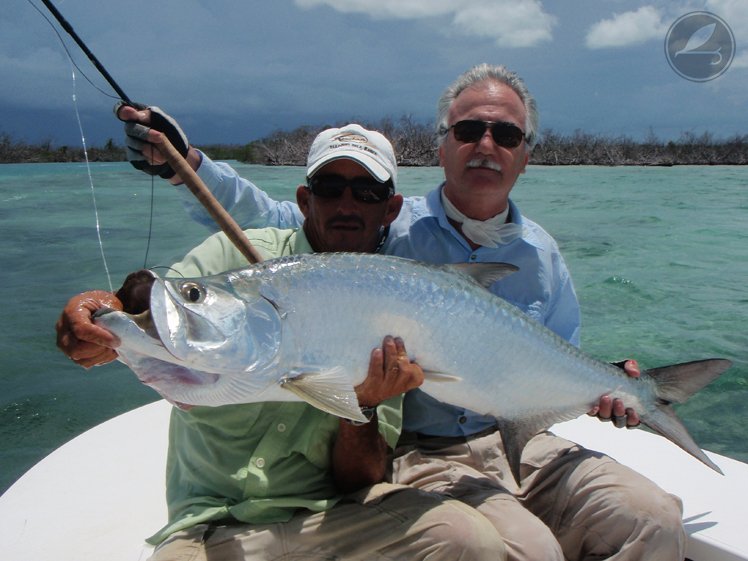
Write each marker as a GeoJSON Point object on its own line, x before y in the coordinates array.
{"type": "Point", "coordinates": [285, 480]}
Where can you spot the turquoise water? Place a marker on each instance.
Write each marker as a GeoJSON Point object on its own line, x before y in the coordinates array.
{"type": "Point", "coordinates": [659, 257]}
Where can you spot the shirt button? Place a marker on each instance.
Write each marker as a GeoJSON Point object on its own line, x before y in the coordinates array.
{"type": "Point", "coordinates": [281, 427]}
{"type": "Point", "coordinates": [260, 463]}
{"type": "Point", "coordinates": [473, 257]}
{"type": "Point", "coordinates": [462, 419]}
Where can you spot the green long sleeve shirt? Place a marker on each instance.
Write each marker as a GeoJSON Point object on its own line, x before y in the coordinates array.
{"type": "Point", "coordinates": [256, 463]}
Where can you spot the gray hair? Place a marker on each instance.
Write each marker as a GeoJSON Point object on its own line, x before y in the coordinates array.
{"type": "Point", "coordinates": [482, 73]}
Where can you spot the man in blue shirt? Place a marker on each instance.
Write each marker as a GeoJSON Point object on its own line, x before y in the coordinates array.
{"type": "Point", "coordinates": [571, 503]}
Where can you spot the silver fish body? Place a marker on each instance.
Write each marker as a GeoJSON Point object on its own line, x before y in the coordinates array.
{"type": "Point", "coordinates": [308, 323]}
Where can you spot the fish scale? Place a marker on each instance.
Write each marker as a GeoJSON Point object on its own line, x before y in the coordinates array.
{"type": "Point", "coordinates": [303, 327]}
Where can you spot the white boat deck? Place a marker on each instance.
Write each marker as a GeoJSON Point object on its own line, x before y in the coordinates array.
{"type": "Point", "coordinates": [98, 496]}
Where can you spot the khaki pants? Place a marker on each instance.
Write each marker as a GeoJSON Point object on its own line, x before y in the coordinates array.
{"type": "Point", "coordinates": [386, 522]}
{"type": "Point", "coordinates": [572, 504]}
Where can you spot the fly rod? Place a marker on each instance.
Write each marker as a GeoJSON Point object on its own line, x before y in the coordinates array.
{"type": "Point", "coordinates": [224, 220]}
{"type": "Point", "coordinates": [69, 28]}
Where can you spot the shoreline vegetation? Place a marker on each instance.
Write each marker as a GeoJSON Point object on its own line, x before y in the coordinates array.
{"type": "Point", "coordinates": [414, 146]}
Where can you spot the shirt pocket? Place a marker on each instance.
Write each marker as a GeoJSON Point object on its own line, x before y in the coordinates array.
{"type": "Point", "coordinates": [313, 436]}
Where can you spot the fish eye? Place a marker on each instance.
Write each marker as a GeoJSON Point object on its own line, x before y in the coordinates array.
{"type": "Point", "coordinates": [192, 292]}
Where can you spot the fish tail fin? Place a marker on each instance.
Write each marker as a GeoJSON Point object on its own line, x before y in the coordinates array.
{"type": "Point", "coordinates": [675, 384]}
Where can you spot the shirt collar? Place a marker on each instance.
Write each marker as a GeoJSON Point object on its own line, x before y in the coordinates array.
{"type": "Point", "coordinates": [433, 200]}
{"type": "Point", "coordinates": [299, 243]}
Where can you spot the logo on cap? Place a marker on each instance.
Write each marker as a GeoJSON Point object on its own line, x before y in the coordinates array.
{"type": "Point", "coordinates": [699, 46]}
{"type": "Point", "coordinates": [351, 137]}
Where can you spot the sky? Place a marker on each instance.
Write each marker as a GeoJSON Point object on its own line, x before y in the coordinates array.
{"type": "Point", "coordinates": [235, 71]}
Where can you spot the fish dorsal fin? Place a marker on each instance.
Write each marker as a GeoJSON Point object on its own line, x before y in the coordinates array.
{"type": "Point", "coordinates": [485, 274]}
{"type": "Point", "coordinates": [329, 390]}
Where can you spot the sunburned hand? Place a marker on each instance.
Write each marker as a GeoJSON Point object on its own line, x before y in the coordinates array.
{"type": "Point", "coordinates": [391, 373]}
{"type": "Point", "coordinates": [613, 409]}
{"type": "Point", "coordinates": [78, 337]}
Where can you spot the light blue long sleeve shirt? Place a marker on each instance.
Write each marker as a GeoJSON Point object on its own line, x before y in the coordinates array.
{"type": "Point", "coordinates": [542, 288]}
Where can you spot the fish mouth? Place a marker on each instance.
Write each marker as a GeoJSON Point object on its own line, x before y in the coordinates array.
{"type": "Point", "coordinates": [146, 355]}
{"type": "Point", "coordinates": [143, 320]}
{"type": "Point", "coordinates": [102, 312]}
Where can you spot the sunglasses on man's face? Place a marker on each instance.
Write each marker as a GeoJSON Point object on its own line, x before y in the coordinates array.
{"type": "Point", "coordinates": [363, 189]}
{"type": "Point", "coordinates": [504, 134]}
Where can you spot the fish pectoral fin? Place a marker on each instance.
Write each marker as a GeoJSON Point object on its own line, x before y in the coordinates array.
{"type": "Point", "coordinates": [485, 274]}
{"type": "Point", "coordinates": [436, 376]}
{"type": "Point", "coordinates": [328, 390]}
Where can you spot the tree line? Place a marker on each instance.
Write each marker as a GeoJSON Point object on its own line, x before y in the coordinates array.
{"type": "Point", "coordinates": [689, 149]}
{"type": "Point", "coordinates": [414, 144]}
{"type": "Point", "coordinates": [17, 151]}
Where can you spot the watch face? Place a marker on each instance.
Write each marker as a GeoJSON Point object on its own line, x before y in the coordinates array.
{"type": "Point", "coordinates": [368, 412]}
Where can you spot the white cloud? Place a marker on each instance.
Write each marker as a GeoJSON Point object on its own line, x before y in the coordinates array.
{"type": "Point", "coordinates": [629, 28]}
{"type": "Point", "coordinates": [735, 15]}
{"type": "Point", "coordinates": [510, 23]}
{"type": "Point", "coordinates": [399, 9]}
{"type": "Point", "coordinates": [734, 12]}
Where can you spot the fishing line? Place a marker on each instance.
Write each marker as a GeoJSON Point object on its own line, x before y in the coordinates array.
{"type": "Point", "coordinates": [121, 96]}
{"type": "Point", "coordinates": [70, 56]}
{"type": "Point", "coordinates": [167, 268]}
{"type": "Point", "coordinates": [70, 31]}
{"type": "Point", "coordinates": [150, 219]}
{"type": "Point", "coordinates": [175, 160]}
{"type": "Point", "coordinates": [90, 181]}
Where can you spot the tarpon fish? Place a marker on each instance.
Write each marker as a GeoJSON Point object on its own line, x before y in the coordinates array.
{"type": "Point", "coordinates": [302, 328]}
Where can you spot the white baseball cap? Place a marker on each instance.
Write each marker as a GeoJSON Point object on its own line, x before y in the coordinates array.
{"type": "Point", "coordinates": [353, 142]}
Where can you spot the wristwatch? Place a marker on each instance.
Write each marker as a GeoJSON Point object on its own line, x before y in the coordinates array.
{"type": "Point", "coordinates": [367, 412]}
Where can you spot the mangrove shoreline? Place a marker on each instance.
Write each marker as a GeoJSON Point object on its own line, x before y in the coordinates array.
{"type": "Point", "coordinates": [414, 146]}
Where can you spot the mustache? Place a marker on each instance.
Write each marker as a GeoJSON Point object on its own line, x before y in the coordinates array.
{"type": "Point", "coordinates": [484, 163]}
{"type": "Point", "coordinates": [347, 221]}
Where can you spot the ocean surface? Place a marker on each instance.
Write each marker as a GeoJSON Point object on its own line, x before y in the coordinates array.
{"type": "Point", "coordinates": [659, 257]}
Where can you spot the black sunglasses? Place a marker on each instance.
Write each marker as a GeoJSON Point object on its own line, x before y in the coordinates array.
{"type": "Point", "coordinates": [504, 134]}
{"type": "Point", "coordinates": [363, 189]}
